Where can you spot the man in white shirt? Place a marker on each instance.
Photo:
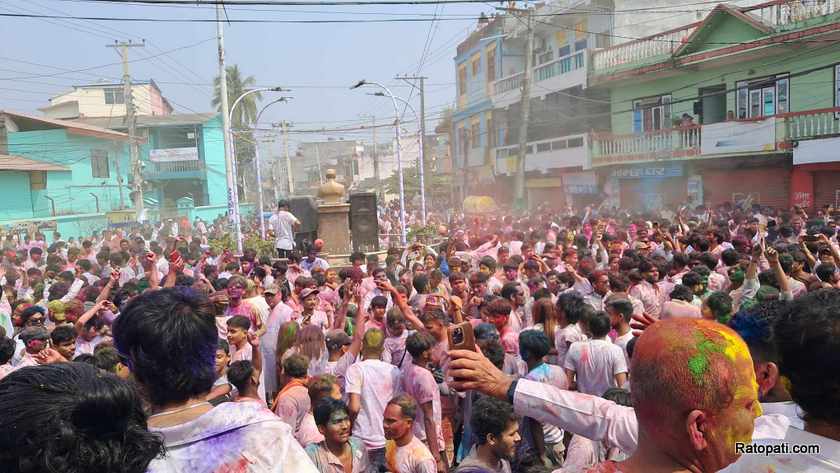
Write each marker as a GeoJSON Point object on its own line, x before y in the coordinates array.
{"type": "Point", "coordinates": [405, 452]}
{"type": "Point", "coordinates": [284, 225]}
{"type": "Point", "coordinates": [596, 364]}
{"type": "Point", "coordinates": [370, 384]}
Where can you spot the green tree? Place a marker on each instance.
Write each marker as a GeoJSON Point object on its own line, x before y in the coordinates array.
{"type": "Point", "coordinates": [244, 115]}
{"type": "Point", "coordinates": [437, 185]}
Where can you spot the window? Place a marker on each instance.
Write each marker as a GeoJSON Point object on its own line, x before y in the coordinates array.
{"type": "Point", "coordinates": [37, 180]}
{"type": "Point", "coordinates": [545, 57]}
{"type": "Point", "coordinates": [114, 95]}
{"type": "Point", "coordinates": [464, 139]}
{"type": "Point", "coordinates": [491, 64]}
{"type": "Point", "coordinates": [462, 80]}
{"type": "Point", "coordinates": [763, 97]}
{"type": "Point", "coordinates": [99, 163]}
{"type": "Point", "coordinates": [564, 51]}
{"type": "Point", "coordinates": [651, 114]}
{"type": "Point", "coordinates": [475, 63]}
{"type": "Point", "coordinates": [580, 45]}
{"type": "Point", "coordinates": [475, 134]}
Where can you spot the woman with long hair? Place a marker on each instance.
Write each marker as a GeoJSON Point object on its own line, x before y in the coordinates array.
{"type": "Point", "coordinates": [310, 343]}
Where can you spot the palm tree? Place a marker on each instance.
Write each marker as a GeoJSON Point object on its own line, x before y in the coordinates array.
{"type": "Point", "coordinates": [244, 115]}
{"type": "Point", "coordinates": [246, 112]}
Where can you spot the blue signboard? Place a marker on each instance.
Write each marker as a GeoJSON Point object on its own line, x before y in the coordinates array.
{"type": "Point", "coordinates": [657, 171]}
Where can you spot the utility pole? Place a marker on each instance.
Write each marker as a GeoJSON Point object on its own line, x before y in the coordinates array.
{"type": "Point", "coordinates": [421, 162]}
{"type": "Point", "coordinates": [525, 106]}
{"type": "Point", "coordinates": [379, 188]}
{"type": "Point", "coordinates": [233, 197]}
{"type": "Point", "coordinates": [318, 163]}
{"type": "Point", "coordinates": [131, 122]}
{"type": "Point", "coordinates": [290, 181]}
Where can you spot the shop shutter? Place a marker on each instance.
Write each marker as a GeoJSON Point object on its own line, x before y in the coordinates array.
{"type": "Point", "coordinates": [826, 188]}
{"type": "Point", "coordinates": [766, 186]}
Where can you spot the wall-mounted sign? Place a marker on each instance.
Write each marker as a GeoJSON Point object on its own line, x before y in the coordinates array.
{"type": "Point", "coordinates": [649, 172]}
{"type": "Point", "coordinates": [173, 154]}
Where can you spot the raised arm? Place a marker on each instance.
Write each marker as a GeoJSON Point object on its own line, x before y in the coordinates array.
{"type": "Point", "coordinates": [401, 303]}
{"type": "Point", "coordinates": [81, 321]}
{"type": "Point", "coordinates": [105, 293]}
{"type": "Point", "coordinates": [256, 354]}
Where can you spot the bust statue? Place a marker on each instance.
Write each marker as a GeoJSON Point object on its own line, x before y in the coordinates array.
{"type": "Point", "coordinates": [331, 192]}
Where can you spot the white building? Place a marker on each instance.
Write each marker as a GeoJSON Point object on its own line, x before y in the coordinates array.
{"type": "Point", "coordinates": [107, 100]}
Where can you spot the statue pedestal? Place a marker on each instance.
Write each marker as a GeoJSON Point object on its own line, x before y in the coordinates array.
{"type": "Point", "coordinates": [334, 228]}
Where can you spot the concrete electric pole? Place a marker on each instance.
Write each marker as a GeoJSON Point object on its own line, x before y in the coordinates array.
{"type": "Point", "coordinates": [230, 171]}
{"type": "Point", "coordinates": [520, 198]}
{"type": "Point", "coordinates": [421, 164]}
{"type": "Point", "coordinates": [290, 181]}
{"type": "Point", "coordinates": [131, 123]}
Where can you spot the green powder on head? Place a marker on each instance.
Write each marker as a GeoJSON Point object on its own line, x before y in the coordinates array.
{"type": "Point", "coordinates": [699, 363]}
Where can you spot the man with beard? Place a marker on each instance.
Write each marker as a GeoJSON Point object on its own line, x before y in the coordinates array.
{"type": "Point", "coordinates": [497, 429]}
{"type": "Point", "coordinates": [338, 452]}
{"type": "Point", "coordinates": [648, 291]}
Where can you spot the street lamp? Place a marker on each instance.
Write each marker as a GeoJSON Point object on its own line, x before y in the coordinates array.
{"type": "Point", "coordinates": [399, 160]}
{"type": "Point", "coordinates": [258, 165]}
{"type": "Point", "coordinates": [422, 163]}
{"type": "Point", "coordinates": [237, 224]}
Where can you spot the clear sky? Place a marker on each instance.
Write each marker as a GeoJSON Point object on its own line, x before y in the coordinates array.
{"type": "Point", "coordinates": [318, 61]}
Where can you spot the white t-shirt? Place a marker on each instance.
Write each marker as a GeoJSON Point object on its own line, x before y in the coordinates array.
{"type": "Point", "coordinates": [281, 223]}
{"type": "Point", "coordinates": [412, 458]}
{"type": "Point", "coordinates": [595, 363]}
{"type": "Point", "coordinates": [376, 382]}
{"type": "Point", "coordinates": [420, 384]}
{"type": "Point", "coordinates": [565, 336]}
{"type": "Point", "coordinates": [554, 376]}
{"type": "Point", "coordinates": [622, 341]}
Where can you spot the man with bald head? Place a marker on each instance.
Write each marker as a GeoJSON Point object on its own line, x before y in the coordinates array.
{"type": "Point", "coordinates": [694, 390]}
{"type": "Point", "coordinates": [370, 385]}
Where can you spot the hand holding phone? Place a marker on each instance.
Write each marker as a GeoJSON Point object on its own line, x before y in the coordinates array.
{"type": "Point", "coordinates": [461, 337]}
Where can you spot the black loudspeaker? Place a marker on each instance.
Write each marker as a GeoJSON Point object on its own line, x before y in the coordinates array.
{"type": "Point", "coordinates": [364, 224]}
{"type": "Point", "coordinates": [306, 210]}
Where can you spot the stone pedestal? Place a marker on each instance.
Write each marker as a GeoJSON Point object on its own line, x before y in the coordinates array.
{"type": "Point", "coordinates": [334, 228]}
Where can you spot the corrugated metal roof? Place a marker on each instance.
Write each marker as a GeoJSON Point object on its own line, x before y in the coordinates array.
{"type": "Point", "coordinates": [17, 163]}
{"type": "Point", "coordinates": [151, 120]}
{"type": "Point", "coordinates": [25, 121]}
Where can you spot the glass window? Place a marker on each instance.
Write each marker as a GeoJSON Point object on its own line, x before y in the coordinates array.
{"type": "Point", "coordinates": [475, 131]}
{"type": "Point", "coordinates": [543, 147]}
{"type": "Point", "coordinates": [742, 99]}
{"type": "Point", "coordinates": [755, 102]}
{"type": "Point", "coordinates": [99, 163]}
{"type": "Point", "coordinates": [782, 95]}
{"type": "Point", "coordinates": [462, 80]}
{"type": "Point", "coordinates": [580, 45]}
{"type": "Point", "coordinates": [650, 114]}
{"type": "Point", "coordinates": [564, 51]}
{"type": "Point", "coordinates": [576, 142]}
{"type": "Point", "coordinates": [491, 64]}
{"type": "Point", "coordinates": [114, 95]}
{"type": "Point", "coordinates": [768, 99]}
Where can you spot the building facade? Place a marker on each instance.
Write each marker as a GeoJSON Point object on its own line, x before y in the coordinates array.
{"type": "Point", "coordinates": [107, 100]}
{"type": "Point", "coordinates": [739, 107]}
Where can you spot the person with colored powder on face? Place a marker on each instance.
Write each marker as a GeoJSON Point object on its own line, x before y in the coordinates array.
{"type": "Point", "coordinates": [405, 453]}
{"type": "Point", "coordinates": [808, 348]}
{"type": "Point", "coordinates": [700, 367]}
{"type": "Point", "coordinates": [338, 452]}
{"type": "Point", "coordinates": [496, 428]}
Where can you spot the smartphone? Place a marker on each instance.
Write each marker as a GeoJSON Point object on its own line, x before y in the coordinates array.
{"type": "Point", "coordinates": [810, 238]}
{"type": "Point", "coordinates": [461, 337]}
{"type": "Point", "coordinates": [173, 256]}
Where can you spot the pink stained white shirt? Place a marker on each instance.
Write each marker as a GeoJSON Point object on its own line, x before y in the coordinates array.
{"type": "Point", "coordinates": [254, 440]}
{"type": "Point", "coordinates": [564, 337]}
{"type": "Point", "coordinates": [651, 295]}
{"type": "Point", "coordinates": [676, 308]}
{"type": "Point", "coordinates": [419, 383]}
{"type": "Point", "coordinates": [412, 458]}
{"type": "Point", "coordinates": [595, 363]}
{"type": "Point", "coordinates": [376, 383]}
{"type": "Point", "coordinates": [292, 406]}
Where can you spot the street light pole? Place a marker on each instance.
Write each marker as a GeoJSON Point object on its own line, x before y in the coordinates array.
{"type": "Point", "coordinates": [258, 164]}
{"type": "Point", "coordinates": [237, 223]}
{"type": "Point", "coordinates": [397, 150]}
{"type": "Point", "coordinates": [420, 166]}
{"type": "Point", "coordinates": [232, 197]}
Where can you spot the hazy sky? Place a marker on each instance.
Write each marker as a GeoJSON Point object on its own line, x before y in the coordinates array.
{"type": "Point", "coordinates": [318, 61]}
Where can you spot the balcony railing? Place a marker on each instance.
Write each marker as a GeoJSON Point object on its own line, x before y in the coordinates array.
{"type": "Point", "coordinates": [780, 14]}
{"type": "Point", "coordinates": [812, 124]}
{"type": "Point", "coordinates": [560, 66]}
{"type": "Point", "coordinates": [173, 169]}
{"type": "Point", "coordinates": [553, 153]}
{"type": "Point", "coordinates": [636, 51]}
{"type": "Point", "coordinates": [508, 83]}
{"type": "Point", "coordinates": [669, 144]}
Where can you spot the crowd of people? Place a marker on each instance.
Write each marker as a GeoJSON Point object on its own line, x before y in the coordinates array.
{"type": "Point", "coordinates": [595, 340]}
